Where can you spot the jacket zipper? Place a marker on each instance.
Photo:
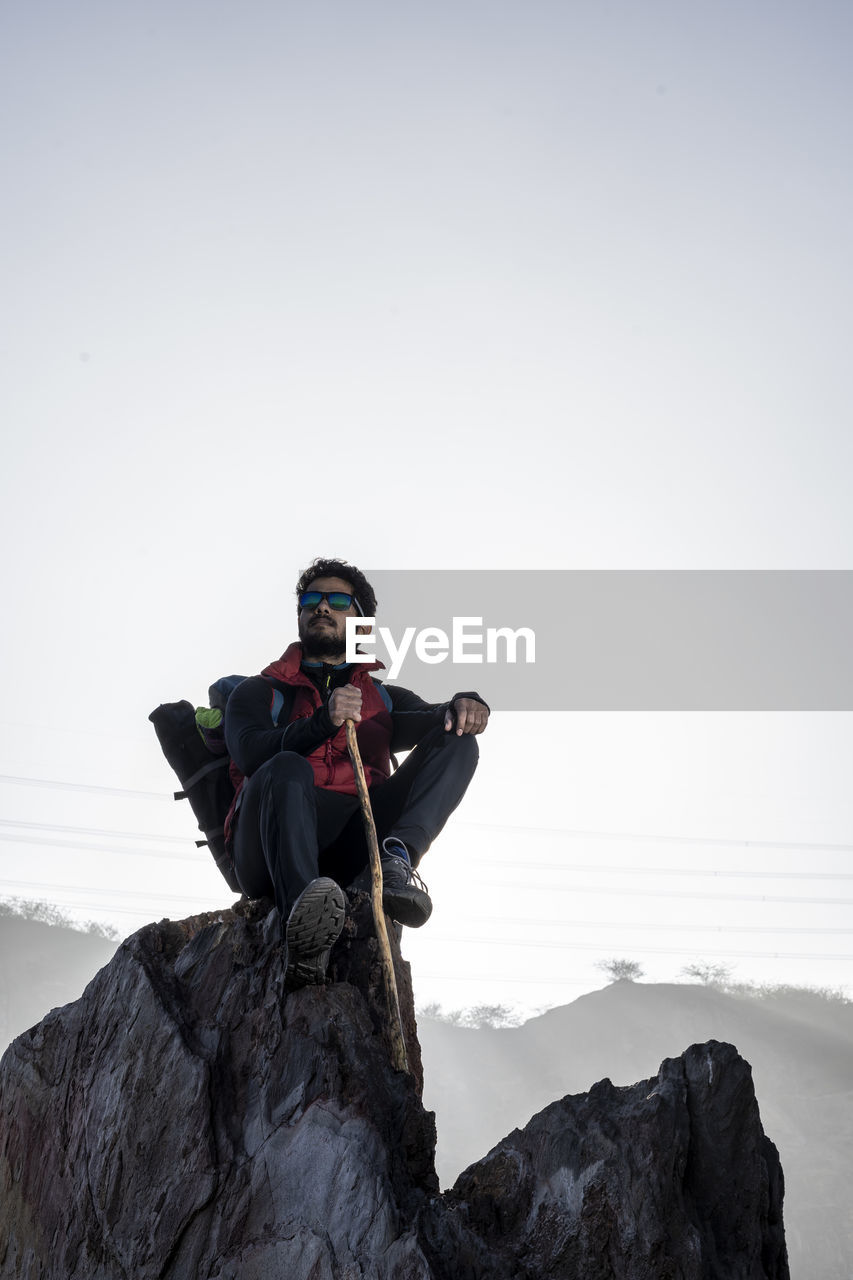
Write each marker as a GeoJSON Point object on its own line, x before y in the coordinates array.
{"type": "Point", "coordinates": [330, 768]}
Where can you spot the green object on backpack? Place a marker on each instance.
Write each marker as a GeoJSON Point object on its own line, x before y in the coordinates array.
{"type": "Point", "coordinates": [208, 717]}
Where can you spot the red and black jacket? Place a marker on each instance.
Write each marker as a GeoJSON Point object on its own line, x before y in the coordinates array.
{"type": "Point", "coordinates": [286, 709]}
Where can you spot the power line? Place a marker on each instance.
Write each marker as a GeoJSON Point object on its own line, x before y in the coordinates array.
{"type": "Point", "coordinates": [571, 832]}
{"type": "Point", "coordinates": [621, 891]}
{"type": "Point", "coordinates": [710, 872]}
{"type": "Point", "coordinates": [643, 950]}
{"type": "Point", "coordinates": [501, 980]}
{"type": "Point", "coordinates": [110, 910]}
{"type": "Point", "coordinates": [452, 940]}
{"type": "Point", "coordinates": [502, 941]}
{"type": "Point", "coordinates": [577, 833]}
{"type": "Point", "coordinates": [90, 831]}
{"type": "Point", "coordinates": [50, 784]}
{"type": "Point", "coordinates": [672, 893]}
{"type": "Point", "coordinates": [53, 842]}
{"type": "Point", "coordinates": [698, 895]}
{"type": "Point", "coordinates": [113, 892]}
{"type": "Point", "coordinates": [686, 927]}
{"type": "Point", "coordinates": [584, 868]}
{"type": "Point", "coordinates": [494, 863]}
{"type": "Point", "coordinates": [526, 982]}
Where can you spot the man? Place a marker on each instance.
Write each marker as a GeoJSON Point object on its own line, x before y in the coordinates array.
{"type": "Point", "coordinates": [295, 829]}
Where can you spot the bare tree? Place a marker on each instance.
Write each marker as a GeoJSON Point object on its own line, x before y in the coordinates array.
{"type": "Point", "coordinates": [437, 1012]}
{"type": "Point", "coordinates": [46, 913]}
{"type": "Point", "coordinates": [477, 1017]}
{"type": "Point", "coordinates": [491, 1015]}
{"type": "Point", "coordinates": [712, 975]}
{"type": "Point", "coordinates": [621, 970]}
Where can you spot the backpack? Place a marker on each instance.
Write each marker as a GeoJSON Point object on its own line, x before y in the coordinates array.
{"type": "Point", "coordinates": [193, 742]}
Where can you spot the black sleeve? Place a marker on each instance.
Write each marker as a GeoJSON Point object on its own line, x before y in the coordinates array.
{"type": "Point", "coordinates": [412, 717]}
{"type": "Point", "coordinates": [251, 736]}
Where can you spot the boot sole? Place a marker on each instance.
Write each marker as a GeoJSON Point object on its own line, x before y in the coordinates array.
{"type": "Point", "coordinates": [409, 906]}
{"type": "Point", "coordinates": [313, 926]}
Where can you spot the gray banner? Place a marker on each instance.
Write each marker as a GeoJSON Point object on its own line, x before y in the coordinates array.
{"type": "Point", "coordinates": [621, 640]}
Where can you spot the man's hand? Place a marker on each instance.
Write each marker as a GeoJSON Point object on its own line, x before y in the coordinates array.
{"type": "Point", "coordinates": [471, 716]}
{"type": "Point", "coordinates": [345, 704]}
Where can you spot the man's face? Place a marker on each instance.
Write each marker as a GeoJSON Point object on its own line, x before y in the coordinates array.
{"type": "Point", "coordinates": [322, 630]}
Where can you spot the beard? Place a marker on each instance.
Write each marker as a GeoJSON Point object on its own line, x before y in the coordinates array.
{"type": "Point", "coordinates": [322, 642]}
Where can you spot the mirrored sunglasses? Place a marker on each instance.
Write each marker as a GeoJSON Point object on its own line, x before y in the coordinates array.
{"type": "Point", "coordinates": [338, 600]}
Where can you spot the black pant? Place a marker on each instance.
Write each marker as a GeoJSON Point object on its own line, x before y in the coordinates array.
{"type": "Point", "coordinates": [289, 831]}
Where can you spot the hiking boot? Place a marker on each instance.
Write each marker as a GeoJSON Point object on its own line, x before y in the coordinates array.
{"type": "Point", "coordinates": [314, 924]}
{"type": "Point", "coordinates": [404, 894]}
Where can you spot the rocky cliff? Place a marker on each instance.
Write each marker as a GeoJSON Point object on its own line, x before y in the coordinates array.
{"type": "Point", "coordinates": [799, 1044]}
{"type": "Point", "coordinates": [186, 1121]}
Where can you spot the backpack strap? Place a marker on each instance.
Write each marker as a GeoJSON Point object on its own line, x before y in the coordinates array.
{"type": "Point", "coordinates": [277, 704]}
{"type": "Point", "coordinates": [221, 763]}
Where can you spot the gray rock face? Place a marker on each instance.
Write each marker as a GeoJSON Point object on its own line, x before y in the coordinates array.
{"type": "Point", "coordinates": [185, 1120]}
{"type": "Point", "coordinates": [669, 1178]}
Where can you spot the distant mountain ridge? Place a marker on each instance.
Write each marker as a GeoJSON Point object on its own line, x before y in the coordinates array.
{"type": "Point", "coordinates": [800, 1046]}
{"type": "Point", "coordinates": [43, 966]}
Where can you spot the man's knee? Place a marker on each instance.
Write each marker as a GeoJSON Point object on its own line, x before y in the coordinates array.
{"type": "Point", "coordinates": [458, 753]}
{"type": "Point", "coordinates": [465, 749]}
{"type": "Point", "coordinates": [285, 770]}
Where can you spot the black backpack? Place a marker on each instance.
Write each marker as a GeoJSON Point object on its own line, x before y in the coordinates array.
{"type": "Point", "coordinates": [193, 742]}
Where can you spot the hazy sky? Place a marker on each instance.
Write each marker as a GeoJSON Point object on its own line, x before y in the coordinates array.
{"type": "Point", "coordinates": [475, 285]}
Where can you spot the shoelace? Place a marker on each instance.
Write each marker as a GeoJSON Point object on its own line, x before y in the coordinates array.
{"type": "Point", "coordinates": [411, 873]}
{"type": "Point", "coordinates": [415, 875]}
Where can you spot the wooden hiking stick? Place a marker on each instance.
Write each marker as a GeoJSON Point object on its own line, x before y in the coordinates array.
{"type": "Point", "coordinates": [398, 1044]}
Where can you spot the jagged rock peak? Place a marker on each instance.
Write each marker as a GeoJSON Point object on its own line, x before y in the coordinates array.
{"type": "Point", "coordinates": [669, 1179]}
{"type": "Point", "coordinates": [185, 1120]}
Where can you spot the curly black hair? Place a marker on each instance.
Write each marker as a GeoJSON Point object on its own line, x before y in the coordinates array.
{"type": "Point", "coordinates": [361, 588]}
